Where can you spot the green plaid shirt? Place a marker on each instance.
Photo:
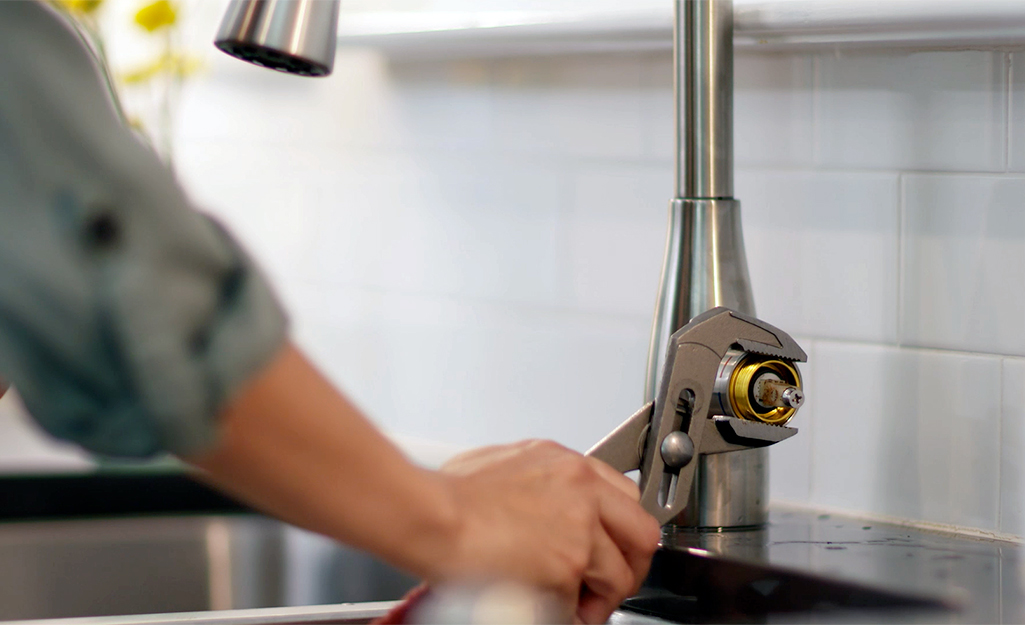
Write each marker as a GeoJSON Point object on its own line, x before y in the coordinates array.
{"type": "Point", "coordinates": [127, 318]}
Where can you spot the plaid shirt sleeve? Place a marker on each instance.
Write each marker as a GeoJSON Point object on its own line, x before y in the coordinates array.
{"type": "Point", "coordinates": [127, 318]}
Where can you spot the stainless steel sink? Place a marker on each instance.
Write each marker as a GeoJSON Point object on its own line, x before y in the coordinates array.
{"type": "Point", "coordinates": [104, 567]}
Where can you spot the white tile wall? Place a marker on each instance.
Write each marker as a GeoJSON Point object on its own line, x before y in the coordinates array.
{"type": "Point", "coordinates": [790, 462]}
{"type": "Point", "coordinates": [471, 249]}
{"type": "Point", "coordinates": [822, 249]}
{"type": "Point", "coordinates": [24, 448]}
{"type": "Point", "coordinates": [472, 373]}
{"type": "Point", "coordinates": [615, 235]}
{"type": "Point", "coordinates": [864, 448]}
{"type": "Point", "coordinates": [913, 434]}
{"type": "Point", "coordinates": [582, 106]}
{"type": "Point", "coordinates": [932, 111]}
{"type": "Point", "coordinates": [956, 401]}
{"type": "Point", "coordinates": [776, 87]}
{"type": "Point", "coordinates": [964, 249]}
{"type": "Point", "coordinates": [1012, 447]}
{"type": "Point", "coordinates": [1016, 140]}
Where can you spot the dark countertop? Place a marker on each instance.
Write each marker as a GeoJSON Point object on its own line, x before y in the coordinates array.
{"type": "Point", "coordinates": [982, 577]}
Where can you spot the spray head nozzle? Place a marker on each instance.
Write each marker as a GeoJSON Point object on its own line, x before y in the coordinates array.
{"type": "Point", "coordinates": [293, 36]}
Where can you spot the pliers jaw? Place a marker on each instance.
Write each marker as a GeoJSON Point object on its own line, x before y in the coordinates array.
{"type": "Point", "coordinates": [695, 413]}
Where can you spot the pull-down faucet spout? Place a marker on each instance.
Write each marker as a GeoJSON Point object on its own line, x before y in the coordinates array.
{"type": "Point", "coordinates": [292, 36]}
{"type": "Point", "coordinates": [705, 265]}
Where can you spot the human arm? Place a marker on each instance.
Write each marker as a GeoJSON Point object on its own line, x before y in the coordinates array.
{"type": "Point", "coordinates": [532, 512]}
{"type": "Point", "coordinates": [132, 325]}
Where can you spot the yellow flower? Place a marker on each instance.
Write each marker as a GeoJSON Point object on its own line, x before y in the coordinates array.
{"type": "Point", "coordinates": [80, 6]}
{"type": "Point", "coordinates": [157, 15]}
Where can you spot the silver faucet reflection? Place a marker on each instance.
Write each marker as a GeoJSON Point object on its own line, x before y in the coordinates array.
{"type": "Point", "coordinates": [705, 265]}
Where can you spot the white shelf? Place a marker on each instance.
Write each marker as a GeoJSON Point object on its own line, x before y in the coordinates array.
{"type": "Point", "coordinates": [760, 24]}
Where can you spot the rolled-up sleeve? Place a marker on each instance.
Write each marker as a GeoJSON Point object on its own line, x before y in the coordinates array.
{"type": "Point", "coordinates": [127, 318]}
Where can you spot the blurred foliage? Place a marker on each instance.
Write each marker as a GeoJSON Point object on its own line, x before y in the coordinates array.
{"type": "Point", "coordinates": [151, 86]}
{"type": "Point", "coordinates": [80, 7]}
{"type": "Point", "coordinates": [171, 64]}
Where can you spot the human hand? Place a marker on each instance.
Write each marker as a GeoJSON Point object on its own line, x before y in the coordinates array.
{"type": "Point", "coordinates": [538, 513]}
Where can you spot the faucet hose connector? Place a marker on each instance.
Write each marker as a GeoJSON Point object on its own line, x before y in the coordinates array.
{"type": "Point", "coordinates": [757, 388]}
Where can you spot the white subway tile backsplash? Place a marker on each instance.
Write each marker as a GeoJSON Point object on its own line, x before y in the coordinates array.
{"type": "Point", "coordinates": [472, 374]}
{"type": "Point", "coordinates": [615, 237]}
{"type": "Point", "coordinates": [913, 434]}
{"type": "Point", "coordinates": [822, 249]}
{"type": "Point", "coordinates": [245, 104]}
{"type": "Point", "coordinates": [658, 116]}
{"type": "Point", "coordinates": [1012, 448]}
{"type": "Point", "coordinates": [772, 110]}
{"type": "Point", "coordinates": [458, 226]}
{"type": "Point", "coordinates": [366, 103]}
{"type": "Point", "coordinates": [964, 247]}
{"type": "Point", "coordinates": [588, 107]}
{"type": "Point", "coordinates": [957, 400]}
{"type": "Point", "coordinates": [431, 105]}
{"type": "Point", "coordinates": [1016, 115]}
{"type": "Point", "coordinates": [922, 111]}
{"type": "Point", "coordinates": [790, 462]}
{"type": "Point", "coordinates": [448, 225]}
{"type": "Point", "coordinates": [863, 457]}
{"type": "Point", "coordinates": [26, 448]}
{"type": "Point", "coordinates": [266, 194]}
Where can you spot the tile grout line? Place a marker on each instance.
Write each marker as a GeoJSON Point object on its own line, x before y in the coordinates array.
{"type": "Point", "coordinates": [816, 122]}
{"type": "Point", "coordinates": [1008, 100]}
{"type": "Point", "coordinates": [901, 269]}
{"type": "Point", "coordinates": [811, 454]}
{"type": "Point", "coordinates": [540, 308]}
{"type": "Point", "coordinates": [527, 157]}
{"type": "Point", "coordinates": [858, 171]}
{"type": "Point", "coordinates": [916, 348]}
{"type": "Point", "coordinates": [1000, 448]}
{"type": "Point", "coordinates": [563, 279]}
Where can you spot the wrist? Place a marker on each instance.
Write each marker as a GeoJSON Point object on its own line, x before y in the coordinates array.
{"type": "Point", "coordinates": [430, 536]}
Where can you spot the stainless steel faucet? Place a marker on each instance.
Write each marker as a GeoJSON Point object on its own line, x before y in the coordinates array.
{"type": "Point", "coordinates": [705, 265]}
{"type": "Point", "coordinates": [293, 36]}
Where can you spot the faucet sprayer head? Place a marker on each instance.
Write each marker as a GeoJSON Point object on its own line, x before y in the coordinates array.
{"type": "Point", "coordinates": [293, 36]}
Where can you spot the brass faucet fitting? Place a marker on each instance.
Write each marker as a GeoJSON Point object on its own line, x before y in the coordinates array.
{"type": "Point", "coordinates": [757, 388]}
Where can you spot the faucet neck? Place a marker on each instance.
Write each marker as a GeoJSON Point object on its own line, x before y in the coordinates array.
{"type": "Point", "coordinates": [703, 84]}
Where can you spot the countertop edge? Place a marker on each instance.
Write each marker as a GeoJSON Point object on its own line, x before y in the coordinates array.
{"type": "Point", "coordinates": [330, 614]}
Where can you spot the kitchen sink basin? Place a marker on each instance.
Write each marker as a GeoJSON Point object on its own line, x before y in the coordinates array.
{"type": "Point", "coordinates": [165, 564]}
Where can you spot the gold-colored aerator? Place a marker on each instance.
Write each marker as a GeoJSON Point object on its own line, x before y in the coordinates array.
{"type": "Point", "coordinates": [758, 388]}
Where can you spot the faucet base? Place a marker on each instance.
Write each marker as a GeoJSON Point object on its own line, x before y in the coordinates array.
{"type": "Point", "coordinates": [705, 266]}
{"type": "Point", "coordinates": [729, 493]}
